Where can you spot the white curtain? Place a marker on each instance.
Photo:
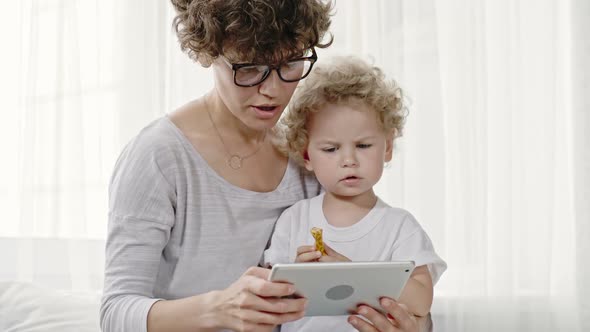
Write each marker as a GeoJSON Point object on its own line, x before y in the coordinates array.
{"type": "Point", "coordinates": [491, 161]}
{"type": "Point", "coordinates": [79, 78]}
{"type": "Point", "coordinates": [486, 159]}
{"type": "Point", "coordinates": [581, 153]}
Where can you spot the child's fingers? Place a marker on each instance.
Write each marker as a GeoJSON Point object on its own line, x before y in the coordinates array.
{"type": "Point", "coordinates": [311, 256]}
{"type": "Point", "coordinates": [333, 256]}
{"type": "Point", "coordinates": [329, 250]}
{"type": "Point", "coordinates": [329, 259]}
{"type": "Point", "coordinates": [305, 249]}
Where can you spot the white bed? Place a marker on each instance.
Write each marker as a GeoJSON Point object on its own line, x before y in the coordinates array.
{"type": "Point", "coordinates": [25, 307]}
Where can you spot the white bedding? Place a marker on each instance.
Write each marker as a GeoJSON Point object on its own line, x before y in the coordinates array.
{"type": "Point", "coordinates": [25, 307]}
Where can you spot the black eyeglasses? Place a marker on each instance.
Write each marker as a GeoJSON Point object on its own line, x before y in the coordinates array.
{"type": "Point", "coordinates": [250, 74]}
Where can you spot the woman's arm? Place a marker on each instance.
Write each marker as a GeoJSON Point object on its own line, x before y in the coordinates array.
{"type": "Point", "coordinates": [250, 304]}
{"type": "Point", "coordinates": [143, 204]}
{"type": "Point", "coordinates": [188, 314]}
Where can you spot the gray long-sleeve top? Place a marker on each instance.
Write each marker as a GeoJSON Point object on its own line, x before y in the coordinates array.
{"type": "Point", "coordinates": [177, 228]}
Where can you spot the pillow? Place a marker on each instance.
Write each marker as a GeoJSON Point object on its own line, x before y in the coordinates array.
{"type": "Point", "coordinates": [25, 307]}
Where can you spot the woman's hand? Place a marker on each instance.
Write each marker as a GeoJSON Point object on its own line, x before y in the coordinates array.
{"type": "Point", "coordinates": [306, 254]}
{"type": "Point", "coordinates": [398, 318]}
{"type": "Point", "coordinates": [253, 303]}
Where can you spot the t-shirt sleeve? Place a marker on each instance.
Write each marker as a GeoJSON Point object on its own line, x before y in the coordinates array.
{"type": "Point", "coordinates": [278, 251]}
{"type": "Point", "coordinates": [416, 245]}
{"type": "Point", "coordinates": [141, 215]}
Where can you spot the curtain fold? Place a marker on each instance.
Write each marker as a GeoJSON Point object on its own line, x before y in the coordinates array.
{"type": "Point", "coordinates": [580, 86]}
{"type": "Point", "coordinates": [84, 78]}
{"type": "Point", "coordinates": [507, 163]}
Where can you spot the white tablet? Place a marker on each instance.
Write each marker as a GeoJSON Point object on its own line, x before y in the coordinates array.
{"type": "Point", "coordinates": [338, 288]}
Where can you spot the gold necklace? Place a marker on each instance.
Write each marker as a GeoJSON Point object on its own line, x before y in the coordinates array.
{"type": "Point", "coordinates": [235, 160]}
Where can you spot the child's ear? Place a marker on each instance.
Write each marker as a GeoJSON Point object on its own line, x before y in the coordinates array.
{"type": "Point", "coordinates": [389, 147]}
{"type": "Point", "coordinates": [306, 161]}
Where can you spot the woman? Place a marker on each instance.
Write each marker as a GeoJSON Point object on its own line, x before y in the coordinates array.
{"type": "Point", "coordinates": [194, 197]}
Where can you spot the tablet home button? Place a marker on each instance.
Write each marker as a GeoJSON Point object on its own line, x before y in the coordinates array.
{"type": "Point", "coordinates": [339, 292]}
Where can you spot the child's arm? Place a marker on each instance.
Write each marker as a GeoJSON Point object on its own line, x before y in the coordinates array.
{"type": "Point", "coordinates": [418, 292]}
{"type": "Point", "coordinates": [278, 251]}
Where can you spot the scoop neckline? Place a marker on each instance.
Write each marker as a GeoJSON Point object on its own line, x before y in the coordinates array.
{"type": "Point", "coordinates": [226, 184]}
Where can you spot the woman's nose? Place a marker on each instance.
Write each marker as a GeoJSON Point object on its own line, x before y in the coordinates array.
{"type": "Point", "coordinates": [271, 85]}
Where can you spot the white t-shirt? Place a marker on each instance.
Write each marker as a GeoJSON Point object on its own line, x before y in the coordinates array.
{"type": "Point", "coordinates": [384, 234]}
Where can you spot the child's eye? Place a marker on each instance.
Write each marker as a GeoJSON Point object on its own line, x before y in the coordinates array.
{"type": "Point", "coordinates": [364, 146]}
{"type": "Point", "coordinates": [329, 149]}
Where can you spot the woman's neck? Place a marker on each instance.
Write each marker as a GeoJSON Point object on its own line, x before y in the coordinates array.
{"type": "Point", "coordinates": [228, 124]}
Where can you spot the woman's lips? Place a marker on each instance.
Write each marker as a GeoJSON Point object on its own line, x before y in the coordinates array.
{"type": "Point", "coordinates": [265, 112]}
{"type": "Point", "coordinates": [266, 108]}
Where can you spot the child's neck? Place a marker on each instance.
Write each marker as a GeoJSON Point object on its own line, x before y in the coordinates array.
{"type": "Point", "coordinates": [344, 211]}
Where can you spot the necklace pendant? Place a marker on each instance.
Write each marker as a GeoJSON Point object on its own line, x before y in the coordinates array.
{"type": "Point", "coordinates": [235, 162]}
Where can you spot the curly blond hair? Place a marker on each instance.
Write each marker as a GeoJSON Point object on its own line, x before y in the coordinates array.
{"type": "Point", "coordinates": [259, 31]}
{"type": "Point", "coordinates": [341, 80]}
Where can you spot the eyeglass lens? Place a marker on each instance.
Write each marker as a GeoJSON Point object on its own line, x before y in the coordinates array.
{"type": "Point", "coordinates": [291, 71]}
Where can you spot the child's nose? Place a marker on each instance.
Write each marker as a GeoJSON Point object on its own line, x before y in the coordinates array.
{"type": "Point", "coordinates": [349, 159]}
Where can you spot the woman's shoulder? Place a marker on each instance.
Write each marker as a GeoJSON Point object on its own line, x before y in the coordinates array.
{"type": "Point", "coordinates": [157, 135]}
{"type": "Point", "coordinates": [302, 179]}
{"type": "Point", "coordinates": [158, 142]}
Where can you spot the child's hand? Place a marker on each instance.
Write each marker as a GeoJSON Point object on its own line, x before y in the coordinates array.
{"type": "Point", "coordinates": [306, 254]}
{"type": "Point", "coordinates": [333, 256]}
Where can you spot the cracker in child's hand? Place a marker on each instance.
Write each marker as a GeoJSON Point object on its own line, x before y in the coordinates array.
{"type": "Point", "coordinates": [319, 243]}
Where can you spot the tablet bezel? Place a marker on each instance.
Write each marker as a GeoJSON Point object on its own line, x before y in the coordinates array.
{"type": "Point", "coordinates": [369, 280]}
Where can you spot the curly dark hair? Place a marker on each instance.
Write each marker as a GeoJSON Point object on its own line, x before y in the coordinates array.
{"type": "Point", "coordinates": [260, 31]}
